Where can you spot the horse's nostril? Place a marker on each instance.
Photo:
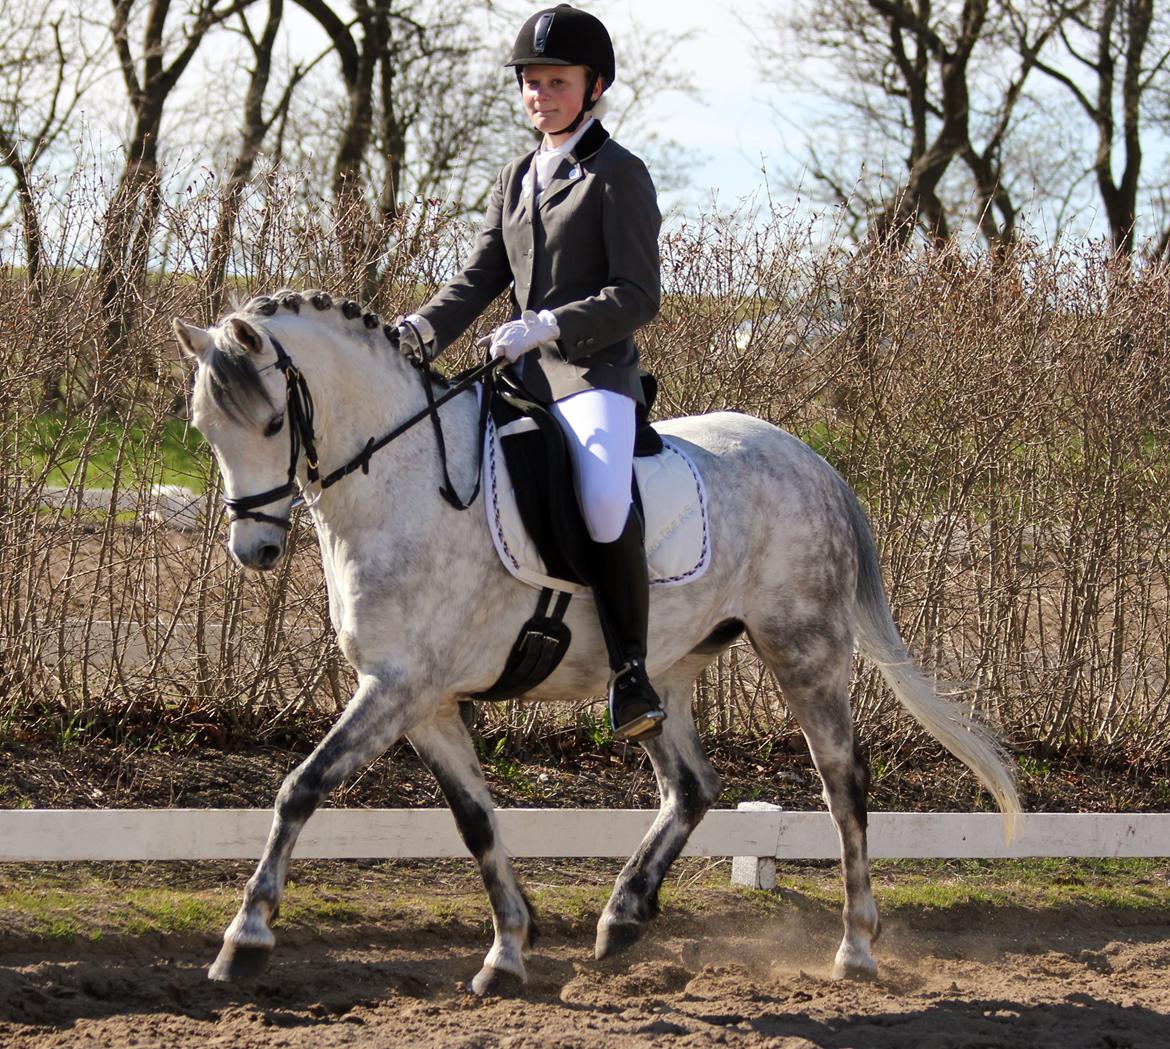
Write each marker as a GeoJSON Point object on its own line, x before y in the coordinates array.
{"type": "Point", "coordinates": [269, 555]}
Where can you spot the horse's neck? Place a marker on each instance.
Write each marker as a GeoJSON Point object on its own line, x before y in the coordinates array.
{"type": "Point", "coordinates": [359, 395]}
{"type": "Point", "coordinates": [358, 391]}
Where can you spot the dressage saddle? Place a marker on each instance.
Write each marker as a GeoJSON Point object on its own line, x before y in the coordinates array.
{"type": "Point", "coordinates": [540, 466]}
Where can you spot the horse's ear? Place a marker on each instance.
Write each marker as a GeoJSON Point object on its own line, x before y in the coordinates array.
{"type": "Point", "coordinates": [244, 335]}
{"type": "Point", "coordinates": [195, 342]}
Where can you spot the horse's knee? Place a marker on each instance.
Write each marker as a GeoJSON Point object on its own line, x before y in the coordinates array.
{"type": "Point", "coordinates": [299, 794]}
{"type": "Point", "coordinates": [857, 785]}
{"type": "Point", "coordinates": [688, 781]}
{"type": "Point", "coordinates": [698, 787]}
{"type": "Point", "coordinates": [472, 818]}
{"type": "Point", "coordinates": [846, 785]}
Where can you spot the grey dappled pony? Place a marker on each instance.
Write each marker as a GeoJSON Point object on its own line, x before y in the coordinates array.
{"type": "Point", "coordinates": [426, 614]}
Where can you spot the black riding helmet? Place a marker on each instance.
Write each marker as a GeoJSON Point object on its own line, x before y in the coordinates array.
{"type": "Point", "coordinates": [564, 36]}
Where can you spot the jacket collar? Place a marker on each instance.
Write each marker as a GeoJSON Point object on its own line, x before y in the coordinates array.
{"type": "Point", "coordinates": [590, 142]}
{"type": "Point", "coordinates": [569, 170]}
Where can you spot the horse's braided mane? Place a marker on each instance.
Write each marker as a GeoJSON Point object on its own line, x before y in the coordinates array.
{"type": "Point", "coordinates": [234, 382]}
{"type": "Point", "coordinates": [286, 300]}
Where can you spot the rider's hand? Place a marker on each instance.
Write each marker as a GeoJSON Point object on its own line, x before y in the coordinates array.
{"type": "Point", "coordinates": [415, 335]}
{"type": "Point", "coordinates": [516, 338]}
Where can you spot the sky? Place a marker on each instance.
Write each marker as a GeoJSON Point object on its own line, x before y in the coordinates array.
{"type": "Point", "coordinates": [730, 131]}
{"type": "Point", "coordinates": [732, 124]}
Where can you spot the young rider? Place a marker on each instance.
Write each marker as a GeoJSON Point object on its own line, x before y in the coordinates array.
{"type": "Point", "coordinates": [572, 228]}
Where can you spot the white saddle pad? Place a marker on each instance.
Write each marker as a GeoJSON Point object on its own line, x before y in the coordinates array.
{"type": "Point", "coordinates": [678, 536]}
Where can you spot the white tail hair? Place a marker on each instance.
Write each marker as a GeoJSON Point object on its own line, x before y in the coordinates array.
{"type": "Point", "coordinates": [879, 640]}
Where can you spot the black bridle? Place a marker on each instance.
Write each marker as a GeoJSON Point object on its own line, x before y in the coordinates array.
{"type": "Point", "coordinates": [299, 415]}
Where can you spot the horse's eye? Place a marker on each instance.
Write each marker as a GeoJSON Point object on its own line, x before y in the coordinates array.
{"type": "Point", "coordinates": [275, 425]}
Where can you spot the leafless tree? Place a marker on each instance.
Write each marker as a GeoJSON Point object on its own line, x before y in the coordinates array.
{"type": "Point", "coordinates": [420, 108]}
{"type": "Point", "coordinates": [45, 68]}
{"type": "Point", "coordinates": [255, 126]}
{"type": "Point", "coordinates": [931, 83]}
{"type": "Point", "coordinates": [922, 84]}
{"type": "Point", "coordinates": [1113, 56]}
{"type": "Point", "coordinates": [150, 74]}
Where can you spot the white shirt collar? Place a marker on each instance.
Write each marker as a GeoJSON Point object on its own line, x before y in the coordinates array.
{"type": "Point", "coordinates": [546, 160]}
{"type": "Point", "coordinates": [566, 147]}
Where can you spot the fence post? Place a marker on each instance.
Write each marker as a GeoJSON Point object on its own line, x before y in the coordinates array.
{"type": "Point", "coordinates": [756, 872]}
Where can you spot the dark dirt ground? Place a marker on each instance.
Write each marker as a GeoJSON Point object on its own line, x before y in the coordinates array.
{"type": "Point", "coordinates": [720, 966]}
{"type": "Point", "coordinates": [566, 772]}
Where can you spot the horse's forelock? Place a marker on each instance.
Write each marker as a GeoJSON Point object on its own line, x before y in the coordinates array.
{"type": "Point", "coordinates": [234, 384]}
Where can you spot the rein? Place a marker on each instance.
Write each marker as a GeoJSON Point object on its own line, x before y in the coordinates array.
{"type": "Point", "coordinates": [301, 435]}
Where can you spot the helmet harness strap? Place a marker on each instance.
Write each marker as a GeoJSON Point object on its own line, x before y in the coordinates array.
{"type": "Point", "coordinates": [586, 105]}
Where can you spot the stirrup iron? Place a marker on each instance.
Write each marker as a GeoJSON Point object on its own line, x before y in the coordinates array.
{"type": "Point", "coordinates": [641, 715]}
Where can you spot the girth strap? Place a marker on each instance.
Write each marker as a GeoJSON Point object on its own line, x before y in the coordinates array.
{"type": "Point", "coordinates": [537, 651]}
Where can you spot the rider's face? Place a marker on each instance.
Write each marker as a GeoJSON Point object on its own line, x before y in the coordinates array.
{"type": "Point", "coordinates": [553, 96]}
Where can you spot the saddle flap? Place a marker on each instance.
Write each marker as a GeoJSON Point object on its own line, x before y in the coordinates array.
{"type": "Point", "coordinates": [538, 463]}
{"type": "Point", "coordinates": [537, 652]}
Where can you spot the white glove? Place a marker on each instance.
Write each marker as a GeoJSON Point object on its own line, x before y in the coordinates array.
{"type": "Point", "coordinates": [516, 338]}
{"type": "Point", "coordinates": [415, 335]}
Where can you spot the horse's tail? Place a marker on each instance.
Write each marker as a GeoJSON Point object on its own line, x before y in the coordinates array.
{"type": "Point", "coordinates": [879, 640]}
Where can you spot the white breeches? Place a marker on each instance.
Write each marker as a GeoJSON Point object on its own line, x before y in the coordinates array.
{"type": "Point", "coordinates": [599, 425]}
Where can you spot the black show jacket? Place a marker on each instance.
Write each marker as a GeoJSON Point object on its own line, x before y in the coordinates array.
{"type": "Point", "coordinates": [589, 254]}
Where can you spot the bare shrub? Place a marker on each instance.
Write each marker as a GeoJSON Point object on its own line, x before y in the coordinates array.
{"type": "Point", "coordinates": [1004, 420]}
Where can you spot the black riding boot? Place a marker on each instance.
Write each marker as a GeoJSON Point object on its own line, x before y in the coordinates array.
{"type": "Point", "coordinates": [622, 591]}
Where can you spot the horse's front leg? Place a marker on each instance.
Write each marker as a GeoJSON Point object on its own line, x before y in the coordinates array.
{"type": "Point", "coordinates": [444, 745]}
{"type": "Point", "coordinates": [372, 721]}
{"type": "Point", "coordinates": [687, 785]}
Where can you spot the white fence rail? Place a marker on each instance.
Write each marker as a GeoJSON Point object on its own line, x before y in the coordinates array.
{"type": "Point", "coordinates": [192, 834]}
{"type": "Point", "coordinates": [168, 504]}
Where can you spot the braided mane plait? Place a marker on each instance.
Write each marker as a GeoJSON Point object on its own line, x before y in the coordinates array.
{"type": "Point", "coordinates": [287, 300]}
{"type": "Point", "coordinates": [233, 381]}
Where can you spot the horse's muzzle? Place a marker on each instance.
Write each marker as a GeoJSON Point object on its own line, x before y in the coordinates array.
{"type": "Point", "coordinates": [257, 546]}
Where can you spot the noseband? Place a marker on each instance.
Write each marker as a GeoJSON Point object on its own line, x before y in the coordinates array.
{"type": "Point", "coordinates": [301, 435]}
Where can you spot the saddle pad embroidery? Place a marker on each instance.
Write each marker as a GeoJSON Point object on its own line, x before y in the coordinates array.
{"type": "Point", "coordinates": [678, 537]}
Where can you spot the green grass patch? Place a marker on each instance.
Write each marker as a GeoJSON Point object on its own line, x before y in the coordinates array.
{"type": "Point", "coordinates": [66, 452]}
{"type": "Point", "coordinates": [1120, 885]}
{"type": "Point", "coordinates": [93, 902]}
{"type": "Point", "coordinates": [168, 911]}
{"type": "Point", "coordinates": [938, 887]}
{"type": "Point", "coordinates": [310, 905]}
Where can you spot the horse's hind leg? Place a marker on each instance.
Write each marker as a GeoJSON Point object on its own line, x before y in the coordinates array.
{"type": "Point", "coordinates": [444, 745]}
{"type": "Point", "coordinates": [814, 679]}
{"type": "Point", "coordinates": [687, 785]}
{"type": "Point", "coordinates": [370, 723]}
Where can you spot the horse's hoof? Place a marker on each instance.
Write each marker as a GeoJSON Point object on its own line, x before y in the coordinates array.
{"type": "Point", "coordinates": [239, 964]}
{"type": "Point", "coordinates": [613, 939]}
{"type": "Point", "coordinates": [498, 983]}
{"type": "Point", "coordinates": [856, 971]}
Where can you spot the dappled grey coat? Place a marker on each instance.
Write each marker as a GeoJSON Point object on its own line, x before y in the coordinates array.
{"type": "Point", "coordinates": [589, 253]}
